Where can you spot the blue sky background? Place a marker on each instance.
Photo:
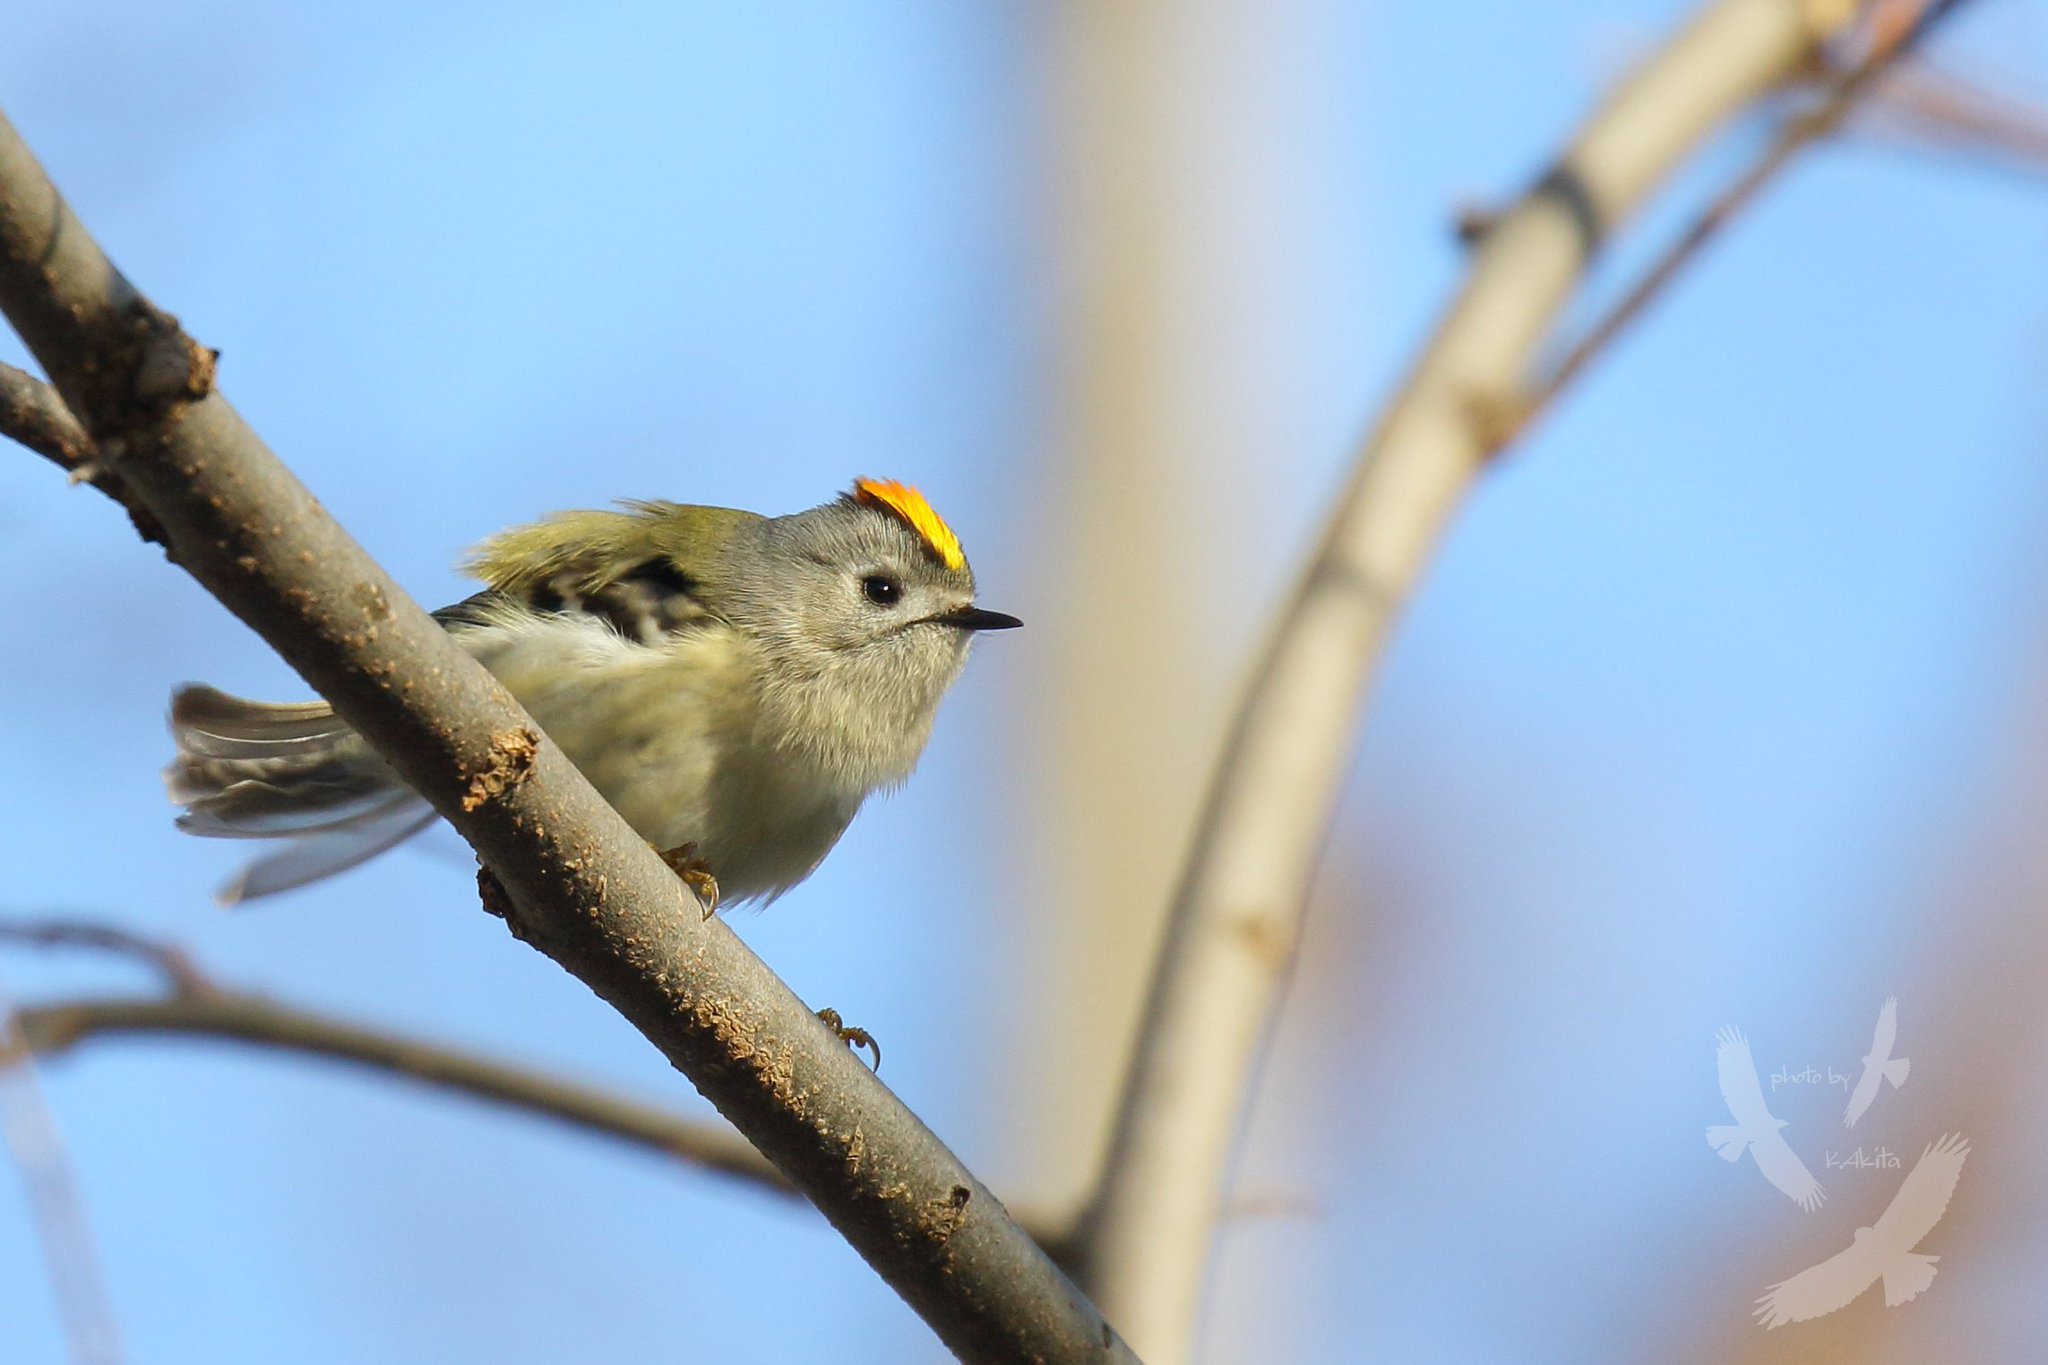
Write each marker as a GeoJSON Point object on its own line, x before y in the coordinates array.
{"type": "Point", "coordinates": [1721, 705]}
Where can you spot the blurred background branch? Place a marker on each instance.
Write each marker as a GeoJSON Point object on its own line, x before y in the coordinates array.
{"type": "Point", "coordinates": [1237, 915]}
{"type": "Point", "coordinates": [1956, 115]}
{"type": "Point", "coordinates": [180, 974]}
{"type": "Point", "coordinates": [1893, 29]}
{"type": "Point", "coordinates": [198, 1007]}
{"type": "Point", "coordinates": [58, 1026]}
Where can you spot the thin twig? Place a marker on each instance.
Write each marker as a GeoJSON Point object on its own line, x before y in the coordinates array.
{"type": "Point", "coordinates": [173, 963]}
{"type": "Point", "coordinates": [198, 1007]}
{"type": "Point", "coordinates": [568, 874]}
{"type": "Point", "coordinates": [1895, 30]}
{"type": "Point", "coordinates": [56, 1026]}
{"type": "Point", "coordinates": [1237, 915]}
{"type": "Point", "coordinates": [31, 1135]}
{"type": "Point", "coordinates": [34, 415]}
{"type": "Point", "coordinates": [1956, 117]}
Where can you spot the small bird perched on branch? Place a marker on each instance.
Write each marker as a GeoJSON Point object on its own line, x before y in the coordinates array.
{"type": "Point", "coordinates": [735, 685]}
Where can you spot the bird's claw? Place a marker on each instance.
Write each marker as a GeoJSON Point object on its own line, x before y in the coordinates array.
{"type": "Point", "coordinates": [695, 874]}
{"type": "Point", "coordinates": [854, 1038]}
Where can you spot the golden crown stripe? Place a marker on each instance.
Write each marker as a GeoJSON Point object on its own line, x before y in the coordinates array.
{"type": "Point", "coordinates": [909, 506]}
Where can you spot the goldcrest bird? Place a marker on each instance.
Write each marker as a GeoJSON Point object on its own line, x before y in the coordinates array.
{"type": "Point", "coordinates": [735, 685]}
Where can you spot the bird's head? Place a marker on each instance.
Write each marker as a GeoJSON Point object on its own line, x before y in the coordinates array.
{"type": "Point", "coordinates": [862, 610]}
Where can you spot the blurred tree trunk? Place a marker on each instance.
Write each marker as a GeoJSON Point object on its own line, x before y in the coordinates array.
{"type": "Point", "coordinates": [1194, 236]}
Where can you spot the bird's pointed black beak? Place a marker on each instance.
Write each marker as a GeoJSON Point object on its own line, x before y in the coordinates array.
{"type": "Point", "coordinates": [974, 618]}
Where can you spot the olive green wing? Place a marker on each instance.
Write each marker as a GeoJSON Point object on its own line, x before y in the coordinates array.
{"type": "Point", "coordinates": [650, 569]}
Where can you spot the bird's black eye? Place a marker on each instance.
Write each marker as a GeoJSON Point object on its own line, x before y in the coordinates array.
{"type": "Point", "coordinates": [881, 589]}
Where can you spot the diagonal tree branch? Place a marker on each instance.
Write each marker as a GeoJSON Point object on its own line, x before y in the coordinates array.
{"type": "Point", "coordinates": [569, 876]}
{"type": "Point", "coordinates": [1236, 917]}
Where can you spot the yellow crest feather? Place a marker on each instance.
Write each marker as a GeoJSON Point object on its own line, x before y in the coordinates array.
{"type": "Point", "coordinates": [909, 507]}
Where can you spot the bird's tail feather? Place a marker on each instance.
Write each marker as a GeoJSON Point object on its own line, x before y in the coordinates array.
{"type": "Point", "coordinates": [1906, 1274]}
{"type": "Point", "coordinates": [254, 770]}
{"type": "Point", "coordinates": [1728, 1141]}
{"type": "Point", "coordinates": [1895, 1071]}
